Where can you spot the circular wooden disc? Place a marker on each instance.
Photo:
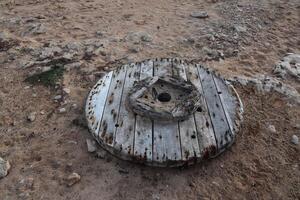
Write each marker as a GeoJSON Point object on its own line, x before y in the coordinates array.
{"type": "Point", "coordinates": [205, 134]}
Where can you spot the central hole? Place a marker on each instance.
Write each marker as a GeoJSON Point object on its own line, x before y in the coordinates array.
{"type": "Point", "coordinates": [164, 97]}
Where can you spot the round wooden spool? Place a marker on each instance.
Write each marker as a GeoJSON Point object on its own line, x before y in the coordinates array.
{"type": "Point", "coordinates": [203, 134]}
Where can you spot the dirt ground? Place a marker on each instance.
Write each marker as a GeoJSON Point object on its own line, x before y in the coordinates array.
{"type": "Point", "coordinates": [238, 38]}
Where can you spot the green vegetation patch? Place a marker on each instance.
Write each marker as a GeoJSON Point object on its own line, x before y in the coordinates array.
{"type": "Point", "coordinates": [48, 78]}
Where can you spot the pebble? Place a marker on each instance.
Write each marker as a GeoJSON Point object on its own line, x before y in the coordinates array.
{"type": "Point", "coordinates": [31, 117]}
{"type": "Point", "coordinates": [73, 179]}
{"type": "Point", "coordinates": [272, 128]}
{"type": "Point", "coordinates": [240, 28]}
{"type": "Point", "coordinates": [4, 167]}
{"type": "Point", "coordinates": [91, 145]}
{"type": "Point", "coordinates": [67, 90]}
{"type": "Point", "coordinates": [137, 37]}
{"type": "Point", "coordinates": [101, 154]}
{"type": "Point", "coordinates": [62, 110]}
{"type": "Point", "coordinates": [199, 14]}
{"type": "Point", "coordinates": [57, 97]}
{"type": "Point", "coordinates": [295, 140]}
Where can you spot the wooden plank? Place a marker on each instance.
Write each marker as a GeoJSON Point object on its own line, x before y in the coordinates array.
{"type": "Point", "coordinates": [95, 103]}
{"type": "Point", "coordinates": [143, 130]}
{"type": "Point", "coordinates": [205, 132]}
{"type": "Point", "coordinates": [228, 100]}
{"type": "Point", "coordinates": [166, 136]}
{"type": "Point", "coordinates": [125, 127]}
{"type": "Point", "coordinates": [221, 128]}
{"type": "Point", "coordinates": [112, 106]}
{"type": "Point", "coordinates": [187, 128]}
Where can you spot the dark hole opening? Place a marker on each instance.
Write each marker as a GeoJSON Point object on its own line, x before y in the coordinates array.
{"type": "Point", "coordinates": [164, 97]}
{"type": "Point", "coordinates": [199, 109]}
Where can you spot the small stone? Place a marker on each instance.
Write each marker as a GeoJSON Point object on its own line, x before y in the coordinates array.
{"type": "Point", "coordinates": [27, 87]}
{"type": "Point", "coordinates": [91, 145]}
{"type": "Point", "coordinates": [67, 90]}
{"type": "Point", "coordinates": [137, 37]}
{"type": "Point", "coordinates": [57, 97]}
{"type": "Point", "coordinates": [91, 78]}
{"type": "Point", "coordinates": [73, 179]}
{"type": "Point", "coordinates": [42, 112]}
{"type": "Point", "coordinates": [99, 33]}
{"type": "Point", "coordinates": [62, 110]}
{"type": "Point", "coordinates": [146, 38]}
{"type": "Point", "coordinates": [295, 140]}
{"type": "Point", "coordinates": [31, 116]}
{"type": "Point", "coordinates": [199, 14]}
{"type": "Point", "coordinates": [34, 95]}
{"type": "Point", "coordinates": [240, 28]}
{"type": "Point", "coordinates": [4, 167]}
{"type": "Point", "coordinates": [272, 128]}
{"type": "Point", "coordinates": [25, 184]}
{"type": "Point", "coordinates": [101, 154]}
{"type": "Point", "coordinates": [123, 171]}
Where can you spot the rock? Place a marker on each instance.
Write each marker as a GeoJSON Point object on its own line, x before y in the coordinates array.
{"type": "Point", "coordinates": [31, 117]}
{"type": "Point", "coordinates": [99, 33]}
{"type": "Point", "coordinates": [123, 171]}
{"type": "Point", "coordinates": [67, 90]}
{"type": "Point", "coordinates": [25, 184]}
{"type": "Point", "coordinates": [295, 140]}
{"type": "Point", "coordinates": [34, 29]}
{"type": "Point", "coordinates": [57, 97]}
{"type": "Point", "coordinates": [290, 65]}
{"type": "Point", "coordinates": [91, 145]}
{"type": "Point", "coordinates": [49, 52]}
{"type": "Point", "coordinates": [4, 167]}
{"type": "Point", "coordinates": [137, 37]}
{"type": "Point", "coordinates": [199, 14]}
{"type": "Point", "coordinates": [75, 65]}
{"type": "Point", "coordinates": [272, 128]}
{"type": "Point", "coordinates": [146, 38]}
{"type": "Point", "coordinates": [73, 179]}
{"type": "Point", "coordinates": [62, 110]}
{"type": "Point", "coordinates": [240, 28]}
{"type": "Point", "coordinates": [90, 78]}
{"type": "Point", "coordinates": [101, 153]}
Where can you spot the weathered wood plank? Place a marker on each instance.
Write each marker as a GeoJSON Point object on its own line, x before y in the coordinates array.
{"type": "Point", "coordinates": [112, 106]}
{"type": "Point", "coordinates": [166, 136]}
{"type": "Point", "coordinates": [221, 128]}
{"type": "Point", "coordinates": [229, 101]}
{"type": "Point", "coordinates": [95, 104]}
{"type": "Point", "coordinates": [205, 132]}
{"type": "Point", "coordinates": [187, 128]}
{"type": "Point", "coordinates": [143, 130]}
{"type": "Point", "coordinates": [125, 127]}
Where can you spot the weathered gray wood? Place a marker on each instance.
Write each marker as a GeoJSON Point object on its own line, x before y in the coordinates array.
{"type": "Point", "coordinates": [205, 132]}
{"type": "Point", "coordinates": [166, 136]}
{"type": "Point", "coordinates": [143, 129]}
{"type": "Point", "coordinates": [221, 128]}
{"type": "Point", "coordinates": [228, 100]}
{"type": "Point", "coordinates": [188, 132]}
{"type": "Point", "coordinates": [112, 106]}
{"type": "Point", "coordinates": [125, 127]}
{"type": "Point", "coordinates": [95, 104]}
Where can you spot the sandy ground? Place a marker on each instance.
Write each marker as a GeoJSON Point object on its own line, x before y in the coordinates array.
{"type": "Point", "coordinates": [238, 38]}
